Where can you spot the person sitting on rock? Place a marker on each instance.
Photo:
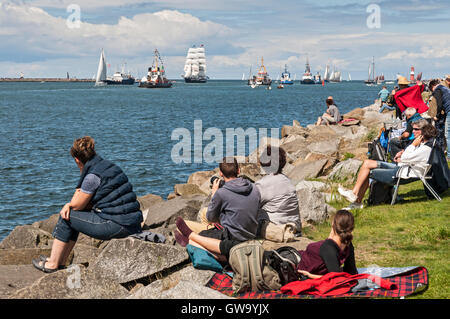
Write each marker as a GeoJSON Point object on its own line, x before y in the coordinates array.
{"type": "Point", "coordinates": [103, 206]}
{"type": "Point", "coordinates": [334, 254]}
{"type": "Point", "coordinates": [279, 201]}
{"type": "Point", "coordinates": [418, 152]}
{"type": "Point", "coordinates": [234, 206]}
{"type": "Point", "coordinates": [331, 115]}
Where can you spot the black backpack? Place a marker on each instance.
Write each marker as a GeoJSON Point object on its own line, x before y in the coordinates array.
{"type": "Point", "coordinates": [285, 261]}
{"type": "Point", "coordinates": [376, 151]}
{"type": "Point", "coordinates": [380, 193]}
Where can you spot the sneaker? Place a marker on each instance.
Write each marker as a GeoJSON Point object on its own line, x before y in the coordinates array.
{"type": "Point", "coordinates": [354, 205]}
{"type": "Point", "coordinates": [348, 194]}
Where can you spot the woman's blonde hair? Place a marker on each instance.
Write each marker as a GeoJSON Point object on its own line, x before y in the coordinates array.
{"type": "Point", "coordinates": [83, 149]}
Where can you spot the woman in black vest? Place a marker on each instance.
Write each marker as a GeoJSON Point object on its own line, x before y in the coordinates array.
{"type": "Point", "coordinates": [104, 206]}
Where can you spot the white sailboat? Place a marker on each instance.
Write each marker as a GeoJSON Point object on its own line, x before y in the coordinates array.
{"type": "Point", "coordinates": [101, 71]}
{"type": "Point", "coordinates": [195, 65]}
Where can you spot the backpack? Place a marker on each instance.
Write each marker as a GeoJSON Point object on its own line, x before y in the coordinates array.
{"type": "Point", "coordinates": [380, 193]}
{"type": "Point", "coordinates": [285, 261]}
{"type": "Point", "coordinates": [202, 259]}
{"type": "Point", "coordinates": [251, 269]}
{"type": "Point", "coordinates": [376, 151]}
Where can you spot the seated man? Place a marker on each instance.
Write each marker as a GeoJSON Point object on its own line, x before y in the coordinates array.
{"type": "Point", "coordinates": [331, 115]}
{"type": "Point", "coordinates": [279, 201]}
{"type": "Point", "coordinates": [388, 103]}
{"type": "Point", "coordinates": [398, 143]}
{"type": "Point", "coordinates": [419, 152]}
{"type": "Point", "coordinates": [235, 206]}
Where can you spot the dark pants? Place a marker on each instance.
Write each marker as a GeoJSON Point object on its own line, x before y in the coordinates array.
{"type": "Point", "coordinates": [441, 141]}
{"type": "Point", "coordinates": [92, 225]}
{"type": "Point", "coordinates": [226, 240]}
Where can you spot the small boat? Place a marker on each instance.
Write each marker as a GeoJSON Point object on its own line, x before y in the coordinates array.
{"type": "Point", "coordinates": [280, 86]}
{"type": "Point", "coordinates": [156, 76]}
{"type": "Point", "coordinates": [286, 76]}
{"type": "Point", "coordinates": [371, 80]}
{"type": "Point", "coordinates": [307, 76]}
{"type": "Point", "coordinates": [318, 78]}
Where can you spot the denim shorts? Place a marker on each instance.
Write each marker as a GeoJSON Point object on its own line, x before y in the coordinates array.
{"type": "Point", "coordinates": [384, 173]}
{"type": "Point", "coordinates": [91, 224]}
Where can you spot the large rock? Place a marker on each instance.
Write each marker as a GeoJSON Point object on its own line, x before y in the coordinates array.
{"type": "Point", "coordinates": [327, 147]}
{"type": "Point", "coordinates": [84, 254]}
{"type": "Point", "coordinates": [21, 256]}
{"type": "Point", "coordinates": [75, 282]}
{"type": "Point", "coordinates": [313, 208]}
{"type": "Point", "coordinates": [306, 169]}
{"type": "Point", "coordinates": [15, 277]}
{"type": "Point", "coordinates": [287, 130]}
{"type": "Point", "coordinates": [164, 213]}
{"type": "Point", "coordinates": [129, 259]}
{"type": "Point", "coordinates": [48, 224]}
{"type": "Point", "coordinates": [148, 200]}
{"type": "Point", "coordinates": [357, 113]}
{"type": "Point", "coordinates": [202, 179]}
{"type": "Point", "coordinates": [188, 190]}
{"type": "Point", "coordinates": [26, 236]}
{"type": "Point", "coordinates": [310, 185]}
{"type": "Point", "coordinates": [157, 288]}
{"type": "Point", "coordinates": [263, 142]}
{"type": "Point", "coordinates": [345, 170]}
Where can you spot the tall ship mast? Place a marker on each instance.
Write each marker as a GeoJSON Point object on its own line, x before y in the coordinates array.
{"type": "Point", "coordinates": [336, 76]}
{"type": "Point", "coordinates": [307, 76]}
{"type": "Point", "coordinates": [195, 66]}
{"type": "Point", "coordinates": [156, 76]}
{"type": "Point", "coordinates": [327, 74]}
{"type": "Point", "coordinates": [371, 78]}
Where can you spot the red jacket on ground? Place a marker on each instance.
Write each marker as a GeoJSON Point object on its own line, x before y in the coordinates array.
{"type": "Point", "coordinates": [411, 97]}
{"type": "Point", "coordinates": [332, 284]}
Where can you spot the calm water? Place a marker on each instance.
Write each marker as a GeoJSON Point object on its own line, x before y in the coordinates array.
{"type": "Point", "coordinates": [132, 127]}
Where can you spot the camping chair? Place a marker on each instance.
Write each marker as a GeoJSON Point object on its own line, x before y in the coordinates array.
{"type": "Point", "coordinates": [422, 171]}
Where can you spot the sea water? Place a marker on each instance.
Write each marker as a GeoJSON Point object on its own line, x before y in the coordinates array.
{"type": "Point", "coordinates": [132, 127]}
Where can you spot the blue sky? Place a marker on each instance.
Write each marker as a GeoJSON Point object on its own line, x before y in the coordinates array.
{"type": "Point", "coordinates": [35, 40]}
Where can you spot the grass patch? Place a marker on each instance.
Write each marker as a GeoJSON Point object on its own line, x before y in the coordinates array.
{"type": "Point", "coordinates": [415, 232]}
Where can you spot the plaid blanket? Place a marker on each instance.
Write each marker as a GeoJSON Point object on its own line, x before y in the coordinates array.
{"type": "Point", "coordinates": [407, 283]}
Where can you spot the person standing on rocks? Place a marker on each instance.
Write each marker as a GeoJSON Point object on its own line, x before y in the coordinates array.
{"type": "Point", "coordinates": [234, 206]}
{"type": "Point", "coordinates": [331, 115]}
{"type": "Point", "coordinates": [103, 206]}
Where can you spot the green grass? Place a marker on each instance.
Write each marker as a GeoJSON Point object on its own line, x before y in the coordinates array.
{"type": "Point", "coordinates": [414, 232]}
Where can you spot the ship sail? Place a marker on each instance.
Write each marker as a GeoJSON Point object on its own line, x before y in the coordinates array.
{"type": "Point", "coordinates": [195, 66]}
{"type": "Point", "coordinates": [326, 75]}
{"type": "Point", "coordinates": [101, 71]}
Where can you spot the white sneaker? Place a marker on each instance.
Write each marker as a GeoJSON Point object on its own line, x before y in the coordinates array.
{"type": "Point", "coordinates": [354, 205]}
{"type": "Point", "coordinates": [348, 194]}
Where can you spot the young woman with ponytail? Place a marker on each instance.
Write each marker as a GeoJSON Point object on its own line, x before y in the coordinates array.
{"type": "Point", "coordinates": [330, 254]}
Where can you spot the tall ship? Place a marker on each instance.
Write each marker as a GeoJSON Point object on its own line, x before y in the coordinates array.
{"type": "Point", "coordinates": [156, 76]}
{"type": "Point", "coordinates": [261, 78]}
{"type": "Point", "coordinates": [195, 66]}
{"type": "Point", "coordinates": [327, 74]}
{"type": "Point", "coordinates": [119, 78]}
{"type": "Point", "coordinates": [335, 76]}
{"type": "Point", "coordinates": [307, 77]}
{"type": "Point", "coordinates": [286, 76]}
{"type": "Point", "coordinates": [371, 79]}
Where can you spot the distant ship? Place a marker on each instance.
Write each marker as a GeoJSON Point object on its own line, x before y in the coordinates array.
{"type": "Point", "coordinates": [156, 76]}
{"type": "Point", "coordinates": [119, 78]}
{"type": "Point", "coordinates": [371, 80]}
{"type": "Point", "coordinates": [327, 74]}
{"type": "Point", "coordinates": [318, 78]}
{"type": "Point", "coordinates": [261, 78]}
{"type": "Point", "coordinates": [286, 76]}
{"type": "Point", "coordinates": [195, 66]}
{"type": "Point", "coordinates": [336, 76]}
{"type": "Point", "coordinates": [307, 77]}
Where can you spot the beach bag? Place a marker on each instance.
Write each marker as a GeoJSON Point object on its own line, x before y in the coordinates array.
{"type": "Point", "coordinates": [251, 269]}
{"type": "Point", "coordinates": [380, 193]}
{"type": "Point", "coordinates": [202, 259]}
{"type": "Point", "coordinates": [283, 233]}
{"type": "Point", "coordinates": [285, 261]}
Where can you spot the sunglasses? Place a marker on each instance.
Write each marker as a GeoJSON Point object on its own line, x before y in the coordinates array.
{"type": "Point", "coordinates": [416, 129]}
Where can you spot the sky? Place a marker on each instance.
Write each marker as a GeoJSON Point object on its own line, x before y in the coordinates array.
{"type": "Point", "coordinates": [42, 38]}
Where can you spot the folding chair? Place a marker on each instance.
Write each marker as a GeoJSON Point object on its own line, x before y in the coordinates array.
{"type": "Point", "coordinates": [422, 173]}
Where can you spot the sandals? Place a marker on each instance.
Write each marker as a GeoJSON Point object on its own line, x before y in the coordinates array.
{"type": "Point", "coordinates": [40, 264]}
{"type": "Point", "coordinates": [44, 258]}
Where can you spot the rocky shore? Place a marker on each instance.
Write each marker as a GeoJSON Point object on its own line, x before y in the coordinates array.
{"type": "Point", "coordinates": [318, 158]}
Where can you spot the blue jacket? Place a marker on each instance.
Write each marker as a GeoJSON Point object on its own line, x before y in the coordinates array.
{"type": "Point", "coordinates": [442, 95]}
{"type": "Point", "coordinates": [114, 199]}
{"type": "Point", "coordinates": [383, 94]}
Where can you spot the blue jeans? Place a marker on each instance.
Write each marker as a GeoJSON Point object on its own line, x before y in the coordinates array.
{"type": "Point", "coordinates": [384, 173]}
{"type": "Point", "coordinates": [92, 225]}
{"type": "Point", "coordinates": [385, 106]}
